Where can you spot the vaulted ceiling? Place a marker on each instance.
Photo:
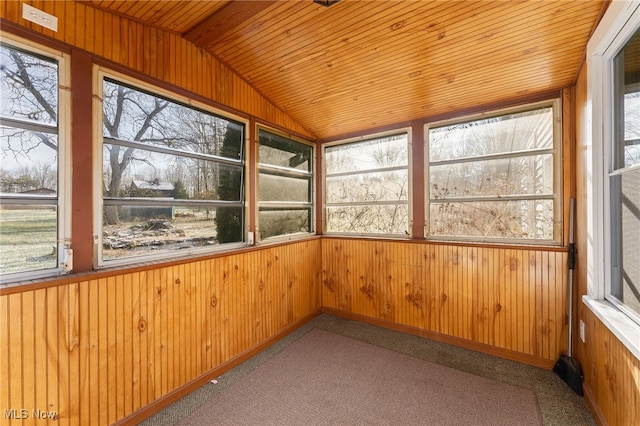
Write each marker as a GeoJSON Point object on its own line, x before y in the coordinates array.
{"type": "Point", "coordinates": [360, 65]}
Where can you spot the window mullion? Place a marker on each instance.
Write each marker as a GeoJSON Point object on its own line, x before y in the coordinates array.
{"type": "Point", "coordinates": [367, 171]}
{"type": "Point", "coordinates": [369, 203]}
{"type": "Point", "coordinates": [500, 156]}
{"type": "Point", "coordinates": [29, 125]}
{"type": "Point", "coordinates": [492, 198]}
{"type": "Point", "coordinates": [172, 151]}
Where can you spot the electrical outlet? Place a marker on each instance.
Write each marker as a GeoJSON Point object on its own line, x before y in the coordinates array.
{"type": "Point", "coordinates": [582, 331]}
{"type": "Point", "coordinates": [32, 14]}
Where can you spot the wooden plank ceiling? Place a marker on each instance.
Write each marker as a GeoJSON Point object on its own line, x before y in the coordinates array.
{"type": "Point", "coordinates": [360, 65]}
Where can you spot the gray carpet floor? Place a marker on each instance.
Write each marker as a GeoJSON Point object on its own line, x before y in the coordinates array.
{"type": "Point", "coordinates": [559, 405]}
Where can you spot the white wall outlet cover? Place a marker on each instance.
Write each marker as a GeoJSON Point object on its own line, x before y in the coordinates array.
{"type": "Point", "coordinates": [39, 17]}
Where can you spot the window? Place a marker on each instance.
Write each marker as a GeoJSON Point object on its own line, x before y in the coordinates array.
{"type": "Point", "coordinates": [33, 226]}
{"type": "Point", "coordinates": [495, 178]}
{"type": "Point", "coordinates": [172, 177]}
{"type": "Point", "coordinates": [367, 186]}
{"type": "Point", "coordinates": [613, 173]}
{"type": "Point", "coordinates": [285, 186]}
{"type": "Point", "coordinates": [624, 181]}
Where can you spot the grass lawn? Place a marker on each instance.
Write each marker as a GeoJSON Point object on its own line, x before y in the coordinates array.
{"type": "Point", "coordinates": [27, 239]}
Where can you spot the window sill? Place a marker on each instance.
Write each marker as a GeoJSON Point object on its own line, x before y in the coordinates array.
{"type": "Point", "coordinates": [625, 329]}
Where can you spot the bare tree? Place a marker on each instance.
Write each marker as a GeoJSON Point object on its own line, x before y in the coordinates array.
{"type": "Point", "coordinates": [371, 193]}
{"type": "Point", "coordinates": [29, 93]}
{"type": "Point", "coordinates": [493, 177]}
{"type": "Point", "coordinates": [123, 103]}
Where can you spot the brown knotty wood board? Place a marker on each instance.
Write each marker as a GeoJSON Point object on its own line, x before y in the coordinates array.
{"type": "Point", "coordinates": [499, 283]}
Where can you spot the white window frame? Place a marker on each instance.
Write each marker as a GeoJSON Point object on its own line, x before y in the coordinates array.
{"type": "Point", "coordinates": [102, 73]}
{"type": "Point", "coordinates": [556, 151]}
{"type": "Point", "coordinates": [291, 173]}
{"type": "Point", "coordinates": [63, 246]}
{"type": "Point", "coordinates": [617, 26]}
{"type": "Point", "coordinates": [409, 168]}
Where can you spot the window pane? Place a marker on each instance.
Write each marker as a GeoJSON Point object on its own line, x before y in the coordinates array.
{"type": "Point", "coordinates": [283, 222]}
{"type": "Point", "coordinates": [526, 175]}
{"type": "Point", "coordinates": [29, 155]}
{"type": "Point", "coordinates": [513, 132]}
{"type": "Point", "coordinates": [283, 177]}
{"type": "Point", "coordinates": [368, 155]}
{"type": "Point", "coordinates": [625, 182]}
{"type": "Point", "coordinates": [151, 230]}
{"type": "Point", "coordinates": [284, 188]}
{"type": "Point", "coordinates": [368, 181]}
{"type": "Point", "coordinates": [631, 101]}
{"type": "Point", "coordinates": [505, 167]}
{"type": "Point", "coordinates": [632, 127]}
{"type": "Point", "coordinates": [376, 219]}
{"type": "Point", "coordinates": [153, 174]}
{"type": "Point", "coordinates": [133, 115]}
{"type": "Point", "coordinates": [28, 162]}
{"type": "Point", "coordinates": [522, 219]}
{"type": "Point", "coordinates": [185, 156]}
{"type": "Point", "coordinates": [629, 291]}
{"type": "Point", "coordinates": [36, 101]}
{"type": "Point", "coordinates": [625, 285]}
{"type": "Point", "coordinates": [278, 151]}
{"type": "Point", "coordinates": [368, 187]}
{"type": "Point", "coordinates": [28, 238]}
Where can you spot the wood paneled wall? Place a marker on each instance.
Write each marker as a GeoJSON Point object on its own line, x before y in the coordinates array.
{"type": "Point", "coordinates": [611, 374]}
{"type": "Point", "coordinates": [513, 302]}
{"type": "Point", "coordinates": [97, 350]}
{"type": "Point", "coordinates": [161, 55]}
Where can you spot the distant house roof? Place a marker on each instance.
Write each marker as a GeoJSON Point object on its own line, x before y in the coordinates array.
{"type": "Point", "coordinates": [155, 185]}
{"type": "Point", "coordinates": [40, 191]}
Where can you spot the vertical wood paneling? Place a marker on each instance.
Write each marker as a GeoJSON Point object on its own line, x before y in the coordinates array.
{"type": "Point", "coordinates": [15, 384]}
{"type": "Point", "coordinates": [98, 350]}
{"type": "Point", "coordinates": [119, 346]}
{"type": "Point", "coordinates": [84, 344]}
{"type": "Point", "coordinates": [481, 294]}
{"type": "Point", "coordinates": [612, 374]}
{"type": "Point", "coordinates": [489, 330]}
{"type": "Point", "coordinates": [40, 362]}
{"type": "Point", "coordinates": [91, 342]}
{"type": "Point", "coordinates": [80, 31]}
{"type": "Point", "coordinates": [11, 10]}
{"type": "Point", "coordinates": [70, 350]}
{"type": "Point", "coordinates": [28, 351]}
{"type": "Point", "coordinates": [112, 337]}
{"type": "Point", "coordinates": [55, 382]}
{"type": "Point", "coordinates": [66, 26]}
{"type": "Point", "coordinates": [5, 365]}
{"type": "Point", "coordinates": [127, 343]}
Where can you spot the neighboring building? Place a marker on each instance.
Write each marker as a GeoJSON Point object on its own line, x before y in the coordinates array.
{"type": "Point", "coordinates": [155, 189]}
{"type": "Point", "coordinates": [160, 189]}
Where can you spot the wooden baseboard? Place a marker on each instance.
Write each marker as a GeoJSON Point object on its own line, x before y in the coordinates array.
{"type": "Point", "coordinates": [456, 341]}
{"type": "Point", "coordinates": [593, 405]}
{"type": "Point", "coordinates": [178, 393]}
